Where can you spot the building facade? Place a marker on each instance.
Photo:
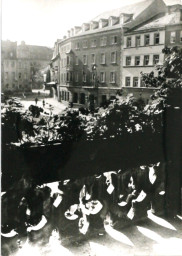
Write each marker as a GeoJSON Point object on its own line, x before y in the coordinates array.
{"type": "Point", "coordinates": [99, 58]}
{"type": "Point", "coordinates": [9, 66]}
{"type": "Point", "coordinates": [142, 49]}
{"type": "Point", "coordinates": [22, 65]}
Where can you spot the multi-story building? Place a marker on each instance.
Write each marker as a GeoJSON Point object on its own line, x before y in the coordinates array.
{"type": "Point", "coordinates": [9, 65]}
{"type": "Point", "coordinates": [142, 49]}
{"type": "Point", "coordinates": [100, 57]}
{"type": "Point", "coordinates": [22, 65]}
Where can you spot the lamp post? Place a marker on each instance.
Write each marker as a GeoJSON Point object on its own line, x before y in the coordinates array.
{"type": "Point", "coordinates": [96, 81]}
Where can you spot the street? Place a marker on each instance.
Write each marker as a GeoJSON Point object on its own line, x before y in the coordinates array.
{"type": "Point", "coordinates": [51, 104]}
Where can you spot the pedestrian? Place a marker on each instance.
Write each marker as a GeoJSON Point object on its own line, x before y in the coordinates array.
{"type": "Point", "coordinates": [36, 100]}
{"type": "Point", "coordinates": [43, 103]}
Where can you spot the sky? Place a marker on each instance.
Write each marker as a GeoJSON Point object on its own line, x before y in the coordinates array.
{"type": "Point", "coordinates": [42, 22]}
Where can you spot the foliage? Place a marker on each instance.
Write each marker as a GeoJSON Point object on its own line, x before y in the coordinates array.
{"type": "Point", "coordinates": [168, 81]}
{"type": "Point", "coordinates": [35, 110]}
{"type": "Point", "coordinates": [119, 117]}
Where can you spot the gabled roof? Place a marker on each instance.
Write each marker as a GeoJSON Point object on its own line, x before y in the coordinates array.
{"type": "Point", "coordinates": [134, 9]}
{"type": "Point", "coordinates": [160, 22]}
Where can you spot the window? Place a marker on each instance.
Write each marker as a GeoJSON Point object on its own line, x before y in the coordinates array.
{"type": "Point", "coordinates": [12, 64]}
{"type": "Point", "coordinates": [19, 64]}
{"type": "Point", "coordinates": [82, 98]}
{"type": "Point", "coordinates": [7, 86]}
{"type": "Point", "coordinates": [75, 97]}
{"type": "Point", "coordinates": [93, 58]}
{"type": "Point", "coordinates": [6, 75]}
{"type": "Point", "coordinates": [137, 41]}
{"type": "Point", "coordinates": [76, 77]}
{"type": "Point", "coordinates": [84, 77]}
{"type": "Point", "coordinates": [137, 60]}
{"type": "Point", "coordinates": [104, 98]}
{"type": "Point", "coordinates": [13, 75]}
{"type": "Point", "coordinates": [7, 63]}
{"type": "Point", "coordinates": [128, 42]}
{"type": "Point", "coordinates": [67, 61]}
{"type": "Point", "coordinates": [64, 77]}
{"type": "Point", "coordinates": [114, 39]}
{"type": "Point", "coordinates": [11, 54]}
{"type": "Point", "coordinates": [127, 82]}
{"type": "Point", "coordinates": [94, 43]}
{"type": "Point", "coordinates": [156, 38]}
{"type": "Point", "coordinates": [173, 37]}
{"type": "Point", "coordinates": [13, 86]}
{"type": "Point", "coordinates": [146, 60]}
{"type": "Point", "coordinates": [113, 57]}
{"type": "Point", "coordinates": [84, 59]}
{"type": "Point", "coordinates": [142, 84]}
{"type": "Point", "coordinates": [135, 81]}
{"type": "Point", "coordinates": [77, 46]}
{"type": "Point", "coordinates": [102, 77]}
{"type": "Point", "coordinates": [103, 41]}
{"type": "Point", "coordinates": [67, 77]}
{"type": "Point", "coordinates": [147, 40]}
{"type": "Point", "coordinates": [181, 36]}
{"type": "Point", "coordinates": [103, 58]}
{"type": "Point", "coordinates": [20, 86]}
{"type": "Point", "coordinates": [76, 60]}
{"type": "Point", "coordinates": [25, 76]}
{"type": "Point", "coordinates": [112, 77]}
{"type": "Point", "coordinates": [128, 60]}
{"type": "Point", "coordinates": [85, 45]}
{"type": "Point", "coordinates": [155, 59]}
{"type": "Point", "coordinates": [93, 77]}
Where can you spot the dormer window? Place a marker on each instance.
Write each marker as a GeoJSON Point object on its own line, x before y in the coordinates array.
{"type": "Point", "coordinates": [124, 17]}
{"type": "Point", "coordinates": [94, 25]}
{"type": "Point", "coordinates": [77, 29]}
{"type": "Point", "coordinates": [103, 23]}
{"type": "Point", "coordinates": [113, 21]}
{"type": "Point", "coordinates": [85, 27]}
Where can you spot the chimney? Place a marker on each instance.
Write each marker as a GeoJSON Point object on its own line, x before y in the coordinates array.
{"type": "Point", "coordinates": [68, 33]}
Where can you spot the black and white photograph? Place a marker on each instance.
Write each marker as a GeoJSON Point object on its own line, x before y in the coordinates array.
{"type": "Point", "coordinates": [91, 128]}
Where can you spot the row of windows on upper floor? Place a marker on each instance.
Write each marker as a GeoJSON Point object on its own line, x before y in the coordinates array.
{"type": "Point", "coordinates": [137, 60]}
{"type": "Point", "coordinates": [135, 82]}
{"type": "Point", "coordinates": [101, 78]}
{"type": "Point", "coordinates": [113, 59]}
{"type": "Point", "coordinates": [147, 39]}
{"type": "Point", "coordinates": [24, 64]}
{"type": "Point", "coordinates": [16, 86]}
{"type": "Point", "coordinates": [103, 41]}
{"type": "Point", "coordinates": [12, 75]}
